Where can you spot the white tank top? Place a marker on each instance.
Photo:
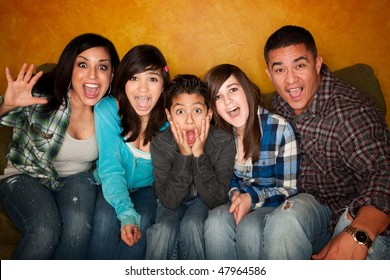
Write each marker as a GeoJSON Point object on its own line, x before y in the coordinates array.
{"type": "Point", "coordinates": [75, 155]}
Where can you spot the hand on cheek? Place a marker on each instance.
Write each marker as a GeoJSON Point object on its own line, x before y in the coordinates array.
{"type": "Point", "coordinates": [179, 135]}
{"type": "Point", "coordinates": [201, 138]}
{"type": "Point", "coordinates": [184, 147]}
{"type": "Point", "coordinates": [181, 139]}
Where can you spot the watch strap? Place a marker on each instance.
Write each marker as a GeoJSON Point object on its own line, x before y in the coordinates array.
{"type": "Point", "coordinates": [359, 235]}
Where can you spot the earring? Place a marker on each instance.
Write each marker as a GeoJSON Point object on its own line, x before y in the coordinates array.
{"type": "Point", "coordinates": [109, 90]}
{"type": "Point", "coordinates": [70, 85]}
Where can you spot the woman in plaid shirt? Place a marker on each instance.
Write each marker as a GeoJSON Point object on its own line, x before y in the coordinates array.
{"type": "Point", "coordinates": [265, 170]}
{"type": "Point", "coordinates": [47, 189]}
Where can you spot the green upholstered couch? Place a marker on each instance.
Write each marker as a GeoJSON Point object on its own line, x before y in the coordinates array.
{"type": "Point", "coordinates": [359, 75]}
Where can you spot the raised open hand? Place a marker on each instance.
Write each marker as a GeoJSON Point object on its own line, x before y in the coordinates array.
{"type": "Point", "coordinates": [18, 92]}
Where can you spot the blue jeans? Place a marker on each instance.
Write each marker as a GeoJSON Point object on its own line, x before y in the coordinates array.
{"type": "Point", "coordinates": [224, 240]}
{"type": "Point", "coordinates": [178, 234]}
{"type": "Point", "coordinates": [296, 229]}
{"type": "Point", "coordinates": [106, 242]}
{"type": "Point", "coordinates": [53, 224]}
{"type": "Point", "coordinates": [380, 246]}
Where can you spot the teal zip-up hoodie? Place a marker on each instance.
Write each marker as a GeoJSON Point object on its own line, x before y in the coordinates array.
{"type": "Point", "coordinates": [117, 170]}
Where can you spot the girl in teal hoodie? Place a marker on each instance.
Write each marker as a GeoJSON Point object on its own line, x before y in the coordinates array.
{"type": "Point", "coordinates": [125, 124]}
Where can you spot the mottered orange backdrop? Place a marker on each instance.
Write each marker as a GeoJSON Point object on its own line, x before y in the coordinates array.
{"type": "Point", "coordinates": [195, 35]}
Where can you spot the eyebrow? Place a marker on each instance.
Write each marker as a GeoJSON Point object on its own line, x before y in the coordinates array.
{"type": "Point", "coordinates": [181, 104]}
{"type": "Point", "coordinates": [295, 61]}
{"type": "Point", "coordinates": [151, 72]}
{"type": "Point", "coordinates": [154, 73]}
{"type": "Point", "coordinates": [230, 85]}
{"type": "Point", "coordinates": [100, 60]}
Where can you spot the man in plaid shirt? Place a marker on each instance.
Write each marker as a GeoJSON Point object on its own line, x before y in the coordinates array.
{"type": "Point", "coordinates": [343, 209]}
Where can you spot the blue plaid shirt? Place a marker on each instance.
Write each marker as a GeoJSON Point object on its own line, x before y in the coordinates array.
{"type": "Point", "coordinates": [36, 141]}
{"type": "Point", "coordinates": [274, 177]}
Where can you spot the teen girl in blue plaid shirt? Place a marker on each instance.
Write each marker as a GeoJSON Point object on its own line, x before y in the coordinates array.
{"type": "Point", "coordinates": [265, 170]}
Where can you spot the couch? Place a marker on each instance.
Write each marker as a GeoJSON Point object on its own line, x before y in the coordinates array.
{"type": "Point", "coordinates": [359, 75]}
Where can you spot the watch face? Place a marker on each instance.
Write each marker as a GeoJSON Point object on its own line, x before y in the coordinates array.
{"type": "Point", "coordinates": [361, 236]}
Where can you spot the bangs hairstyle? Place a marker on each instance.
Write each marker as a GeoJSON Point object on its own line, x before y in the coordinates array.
{"type": "Point", "coordinates": [214, 79]}
{"type": "Point", "coordinates": [290, 35]}
{"type": "Point", "coordinates": [139, 59]}
{"type": "Point", "coordinates": [60, 77]}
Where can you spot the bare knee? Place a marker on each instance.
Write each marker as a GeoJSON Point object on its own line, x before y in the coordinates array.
{"type": "Point", "coordinates": [287, 205]}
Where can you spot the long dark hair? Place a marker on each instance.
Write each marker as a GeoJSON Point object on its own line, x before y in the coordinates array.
{"type": "Point", "coordinates": [214, 79]}
{"type": "Point", "coordinates": [56, 82]}
{"type": "Point", "coordinates": [137, 60]}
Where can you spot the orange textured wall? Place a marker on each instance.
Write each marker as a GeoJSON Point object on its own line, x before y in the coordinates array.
{"type": "Point", "coordinates": [195, 35]}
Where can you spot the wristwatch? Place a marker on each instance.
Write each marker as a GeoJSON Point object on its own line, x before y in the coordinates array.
{"type": "Point", "coordinates": [359, 235]}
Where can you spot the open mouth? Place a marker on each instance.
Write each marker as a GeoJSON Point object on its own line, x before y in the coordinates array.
{"type": "Point", "coordinates": [234, 112]}
{"type": "Point", "coordinates": [91, 90]}
{"type": "Point", "coordinates": [143, 102]}
{"type": "Point", "coordinates": [190, 136]}
{"type": "Point", "coordinates": [295, 92]}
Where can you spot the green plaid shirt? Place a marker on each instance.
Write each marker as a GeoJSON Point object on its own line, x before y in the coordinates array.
{"type": "Point", "coordinates": [36, 141]}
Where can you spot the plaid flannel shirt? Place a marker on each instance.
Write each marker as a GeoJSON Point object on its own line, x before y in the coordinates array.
{"type": "Point", "coordinates": [273, 178]}
{"type": "Point", "coordinates": [36, 140]}
{"type": "Point", "coordinates": [345, 148]}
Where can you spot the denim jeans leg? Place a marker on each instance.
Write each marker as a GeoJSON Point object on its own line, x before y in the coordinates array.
{"type": "Point", "coordinates": [380, 247]}
{"type": "Point", "coordinates": [76, 200]}
{"type": "Point", "coordinates": [32, 208]}
{"type": "Point", "coordinates": [162, 237]}
{"type": "Point", "coordinates": [145, 203]}
{"type": "Point", "coordinates": [105, 230]}
{"type": "Point", "coordinates": [249, 234]}
{"type": "Point", "coordinates": [296, 229]}
{"type": "Point", "coordinates": [191, 236]}
{"type": "Point", "coordinates": [219, 234]}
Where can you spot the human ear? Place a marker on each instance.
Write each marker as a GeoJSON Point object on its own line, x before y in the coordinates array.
{"type": "Point", "coordinates": [169, 118]}
{"type": "Point", "coordinates": [210, 113]}
{"type": "Point", "coordinates": [268, 73]}
{"type": "Point", "coordinates": [318, 64]}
